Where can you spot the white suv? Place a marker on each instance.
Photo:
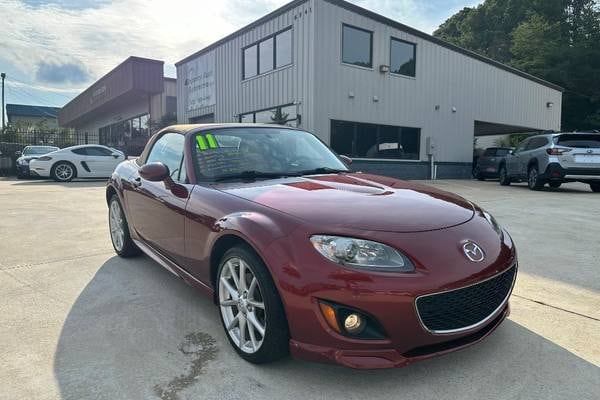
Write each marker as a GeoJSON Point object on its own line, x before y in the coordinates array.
{"type": "Point", "coordinates": [554, 159]}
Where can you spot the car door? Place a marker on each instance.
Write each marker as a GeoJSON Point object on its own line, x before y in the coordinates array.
{"type": "Point", "coordinates": [102, 161]}
{"type": "Point", "coordinates": [513, 161]}
{"type": "Point", "coordinates": [158, 214]}
{"type": "Point", "coordinates": [531, 152]}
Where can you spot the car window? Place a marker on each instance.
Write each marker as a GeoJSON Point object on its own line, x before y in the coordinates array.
{"type": "Point", "coordinates": [489, 153]}
{"type": "Point", "coordinates": [522, 146]}
{"type": "Point", "coordinates": [168, 149]}
{"type": "Point", "coordinates": [82, 151]}
{"type": "Point", "coordinates": [536, 143]}
{"type": "Point", "coordinates": [98, 151]}
{"type": "Point", "coordinates": [579, 140]}
{"type": "Point", "coordinates": [502, 152]}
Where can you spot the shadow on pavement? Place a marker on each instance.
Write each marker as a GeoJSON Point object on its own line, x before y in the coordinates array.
{"type": "Point", "coordinates": [138, 332]}
{"type": "Point", "coordinates": [77, 183]}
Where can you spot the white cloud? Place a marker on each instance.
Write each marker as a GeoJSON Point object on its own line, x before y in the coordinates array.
{"type": "Point", "coordinates": [99, 38]}
{"type": "Point", "coordinates": [102, 37]}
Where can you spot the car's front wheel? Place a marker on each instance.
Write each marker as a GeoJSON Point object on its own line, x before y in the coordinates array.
{"type": "Point", "coordinates": [250, 307]}
{"type": "Point", "coordinates": [63, 171]}
{"type": "Point", "coordinates": [503, 176]}
{"type": "Point", "coordinates": [595, 187]}
{"type": "Point", "coordinates": [533, 179]}
{"type": "Point", "coordinates": [119, 230]}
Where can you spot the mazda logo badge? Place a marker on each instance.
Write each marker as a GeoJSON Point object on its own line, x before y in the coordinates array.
{"type": "Point", "coordinates": [473, 252]}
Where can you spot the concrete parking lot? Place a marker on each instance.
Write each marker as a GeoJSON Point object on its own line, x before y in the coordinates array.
{"type": "Point", "coordinates": [77, 322]}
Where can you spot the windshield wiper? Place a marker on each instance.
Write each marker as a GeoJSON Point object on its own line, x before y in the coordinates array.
{"type": "Point", "coordinates": [322, 170]}
{"type": "Point", "coordinates": [253, 175]}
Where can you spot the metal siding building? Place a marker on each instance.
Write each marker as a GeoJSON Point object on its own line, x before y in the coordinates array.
{"type": "Point", "coordinates": [454, 94]}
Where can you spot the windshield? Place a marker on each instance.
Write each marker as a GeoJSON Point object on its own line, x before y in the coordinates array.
{"type": "Point", "coordinates": [38, 150]}
{"type": "Point", "coordinates": [271, 152]}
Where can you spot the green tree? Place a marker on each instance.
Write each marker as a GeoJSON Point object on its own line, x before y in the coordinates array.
{"type": "Point", "coordinates": [556, 40]}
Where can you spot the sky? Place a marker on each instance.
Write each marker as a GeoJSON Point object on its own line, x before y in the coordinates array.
{"type": "Point", "coordinates": [51, 50]}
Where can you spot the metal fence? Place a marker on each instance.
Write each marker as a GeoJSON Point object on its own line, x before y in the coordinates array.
{"type": "Point", "coordinates": [12, 142]}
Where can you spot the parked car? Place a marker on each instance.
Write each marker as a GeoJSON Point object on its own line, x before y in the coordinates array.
{"type": "Point", "coordinates": [488, 163]}
{"type": "Point", "coordinates": [83, 161]}
{"type": "Point", "coordinates": [31, 153]}
{"type": "Point", "coordinates": [300, 254]}
{"type": "Point", "coordinates": [554, 159]}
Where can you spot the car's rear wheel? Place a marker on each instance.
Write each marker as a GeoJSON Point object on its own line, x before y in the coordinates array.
{"type": "Point", "coordinates": [503, 176]}
{"type": "Point", "coordinates": [595, 187]}
{"type": "Point", "coordinates": [119, 230]}
{"type": "Point", "coordinates": [250, 307]}
{"type": "Point", "coordinates": [555, 185]}
{"type": "Point", "coordinates": [63, 171]}
{"type": "Point", "coordinates": [533, 179]}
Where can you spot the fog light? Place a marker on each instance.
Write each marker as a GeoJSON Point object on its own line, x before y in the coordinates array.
{"type": "Point", "coordinates": [354, 324]}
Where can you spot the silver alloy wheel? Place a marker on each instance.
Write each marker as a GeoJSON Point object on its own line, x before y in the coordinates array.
{"type": "Point", "coordinates": [64, 172]}
{"type": "Point", "coordinates": [115, 222]}
{"type": "Point", "coordinates": [242, 305]}
{"type": "Point", "coordinates": [533, 177]}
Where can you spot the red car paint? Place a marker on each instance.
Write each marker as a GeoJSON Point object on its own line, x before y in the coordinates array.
{"type": "Point", "coordinates": [180, 225]}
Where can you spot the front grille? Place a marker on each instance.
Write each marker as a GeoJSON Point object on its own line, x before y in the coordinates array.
{"type": "Point", "coordinates": [462, 308]}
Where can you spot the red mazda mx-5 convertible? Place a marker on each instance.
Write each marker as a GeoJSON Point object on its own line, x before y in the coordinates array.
{"type": "Point", "coordinates": [302, 255]}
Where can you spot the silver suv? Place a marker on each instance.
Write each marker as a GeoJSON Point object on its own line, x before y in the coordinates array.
{"type": "Point", "coordinates": [554, 159]}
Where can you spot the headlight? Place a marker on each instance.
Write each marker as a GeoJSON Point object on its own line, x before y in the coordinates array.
{"type": "Point", "coordinates": [361, 253]}
{"type": "Point", "coordinates": [45, 158]}
{"type": "Point", "coordinates": [22, 161]}
{"type": "Point", "coordinates": [493, 223]}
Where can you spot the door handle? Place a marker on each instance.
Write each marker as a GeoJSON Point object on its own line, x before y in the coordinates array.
{"type": "Point", "coordinates": [137, 182]}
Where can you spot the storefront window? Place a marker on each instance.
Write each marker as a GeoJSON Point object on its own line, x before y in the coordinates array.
{"type": "Point", "coordinates": [129, 136]}
{"type": "Point", "coordinates": [362, 140]}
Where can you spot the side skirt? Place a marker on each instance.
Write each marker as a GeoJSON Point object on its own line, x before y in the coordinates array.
{"type": "Point", "coordinates": [175, 269]}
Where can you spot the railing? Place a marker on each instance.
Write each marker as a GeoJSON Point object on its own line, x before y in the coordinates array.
{"type": "Point", "coordinates": [12, 142]}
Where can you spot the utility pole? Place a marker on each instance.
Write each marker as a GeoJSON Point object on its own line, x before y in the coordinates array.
{"type": "Point", "coordinates": [3, 75]}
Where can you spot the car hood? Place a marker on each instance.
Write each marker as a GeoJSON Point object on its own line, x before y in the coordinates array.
{"type": "Point", "coordinates": [358, 201]}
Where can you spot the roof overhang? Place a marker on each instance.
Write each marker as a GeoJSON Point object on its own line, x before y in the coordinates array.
{"type": "Point", "coordinates": [133, 78]}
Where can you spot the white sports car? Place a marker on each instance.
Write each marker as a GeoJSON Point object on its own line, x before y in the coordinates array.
{"type": "Point", "coordinates": [84, 161]}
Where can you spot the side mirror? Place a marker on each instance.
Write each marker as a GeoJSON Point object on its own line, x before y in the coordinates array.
{"type": "Point", "coordinates": [154, 172]}
{"type": "Point", "coordinates": [347, 160]}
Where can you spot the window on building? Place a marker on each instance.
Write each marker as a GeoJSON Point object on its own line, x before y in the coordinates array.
{"type": "Point", "coordinates": [266, 54]}
{"type": "Point", "coordinates": [129, 136]}
{"type": "Point", "coordinates": [250, 61]}
{"type": "Point", "coordinates": [403, 57]}
{"type": "Point", "coordinates": [171, 105]}
{"type": "Point", "coordinates": [282, 115]}
{"type": "Point", "coordinates": [283, 49]}
{"type": "Point", "coordinates": [357, 46]}
{"type": "Point", "coordinates": [272, 52]}
{"type": "Point", "coordinates": [362, 140]}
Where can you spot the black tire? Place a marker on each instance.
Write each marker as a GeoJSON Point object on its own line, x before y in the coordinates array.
{"type": "Point", "coordinates": [128, 247]}
{"type": "Point", "coordinates": [275, 343]}
{"type": "Point", "coordinates": [534, 182]}
{"type": "Point", "coordinates": [555, 185]}
{"type": "Point", "coordinates": [503, 176]}
{"type": "Point", "coordinates": [58, 176]}
{"type": "Point", "coordinates": [595, 187]}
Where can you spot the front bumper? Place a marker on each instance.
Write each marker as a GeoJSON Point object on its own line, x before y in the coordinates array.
{"type": "Point", "coordinates": [23, 170]}
{"type": "Point", "coordinates": [391, 357]}
{"type": "Point", "coordinates": [304, 278]}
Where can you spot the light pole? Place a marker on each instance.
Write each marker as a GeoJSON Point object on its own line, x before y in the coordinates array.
{"type": "Point", "coordinates": [3, 75]}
